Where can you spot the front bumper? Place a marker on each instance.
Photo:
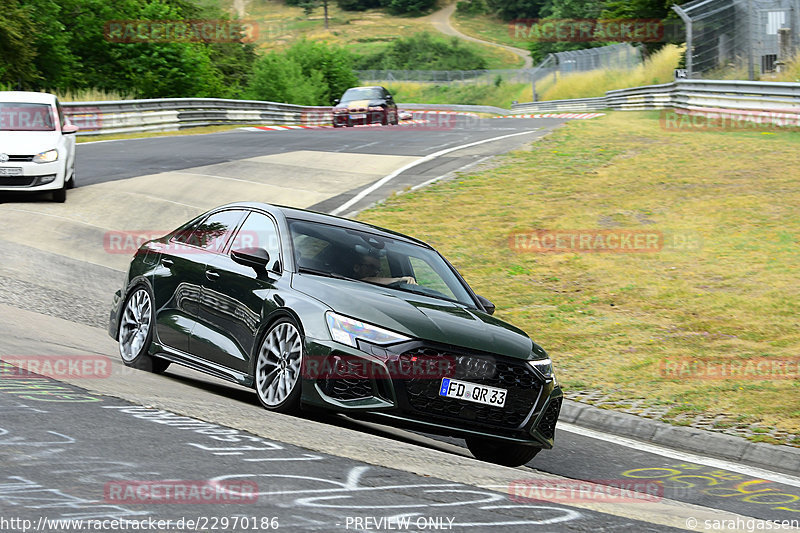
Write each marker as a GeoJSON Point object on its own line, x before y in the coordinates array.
{"type": "Point", "coordinates": [529, 415]}
{"type": "Point", "coordinates": [35, 176]}
{"type": "Point", "coordinates": [359, 117]}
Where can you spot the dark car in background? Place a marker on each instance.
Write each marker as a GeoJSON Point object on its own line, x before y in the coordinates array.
{"type": "Point", "coordinates": [317, 311]}
{"type": "Point", "coordinates": [365, 105]}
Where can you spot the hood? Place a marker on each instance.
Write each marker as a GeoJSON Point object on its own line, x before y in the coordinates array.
{"type": "Point", "coordinates": [417, 316]}
{"type": "Point", "coordinates": [356, 104]}
{"type": "Point", "coordinates": [27, 142]}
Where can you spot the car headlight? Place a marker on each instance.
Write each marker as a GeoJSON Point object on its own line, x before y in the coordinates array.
{"type": "Point", "coordinates": [347, 330]}
{"type": "Point", "coordinates": [543, 366]}
{"type": "Point", "coordinates": [46, 157]}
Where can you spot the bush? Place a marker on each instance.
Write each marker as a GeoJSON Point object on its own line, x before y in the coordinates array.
{"type": "Point", "coordinates": [308, 73]}
{"type": "Point", "coordinates": [472, 7]}
{"type": "Point", "coordinates": [358, 5]}
{"type": "Point", "coordinates": [410, 7]}
{"type": "Point", "coordinates": [422, 51]}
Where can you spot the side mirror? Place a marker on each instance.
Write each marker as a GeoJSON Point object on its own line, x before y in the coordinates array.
{"type": "Point", "coordinates": [255, 258]}
{"type": "Point", "coordinates": [335, 101]}
{"type": "Point", "coordinates": [389, 97]}
{"type": "Point", "coordinates": [69, 128]}
{"type": "Point", "coordinates": [489, 306]}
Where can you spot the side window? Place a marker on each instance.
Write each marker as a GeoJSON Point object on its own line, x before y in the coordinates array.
{"type": "Point", "coordinates": [259, 231]}
{"type": "Point", "coordinates": [213, 233]}
{"type": "Point", "coordinates": [427, 277]}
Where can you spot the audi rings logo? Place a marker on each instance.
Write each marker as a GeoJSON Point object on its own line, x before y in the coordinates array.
{"type": "Point", "coordinates": [4, 158]}
{"type": "Point", "coordinates": [475, 367]}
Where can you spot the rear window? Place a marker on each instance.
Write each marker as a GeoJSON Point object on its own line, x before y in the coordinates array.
{"type": "Point", "coordinates": [26, 117]}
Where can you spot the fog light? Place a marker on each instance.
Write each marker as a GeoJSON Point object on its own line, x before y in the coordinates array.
{"type": "Point", "coordinates": [43, 180]}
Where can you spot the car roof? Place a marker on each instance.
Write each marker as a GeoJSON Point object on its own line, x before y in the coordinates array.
{"type": "Point", "coordinates": [367, 87]}
{"type": "Point", "coordinates": [322, 218]}
{"type": "Point", "coordinates": [27, 97]}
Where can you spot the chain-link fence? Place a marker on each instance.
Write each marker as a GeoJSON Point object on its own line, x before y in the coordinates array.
{"type": "Point", "coordinates": [758, 35]}
{"type": "Point", "coordinates": [445, 76]}
{"type": "Point", "coordinates": [618, 56]}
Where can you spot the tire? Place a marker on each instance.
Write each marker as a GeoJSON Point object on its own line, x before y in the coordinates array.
{"type": "Point", "coordinates": [60, 195]}
{"type": "Point", "coordinates": [385, 118]}
{"type": "Point", "coordinates": [500, 452]}
{"type": "Point", "coordinates": [335, 125]}
{"type": "Point", "coordinates": [135, 333]}
{"type": "Point", "coordinates": [279, 360]}
{"type": "Point", "coordinates": [396, 120]}
{"type": "Point", "coordinates": [71, 182]}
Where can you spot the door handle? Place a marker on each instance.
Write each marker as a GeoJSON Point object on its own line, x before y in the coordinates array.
{"type": "Point", "coordinates": [212, 275]}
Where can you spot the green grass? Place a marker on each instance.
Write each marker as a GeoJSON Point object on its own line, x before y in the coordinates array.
{"type": "Point", "coordinates": [361, 32]}
{"type": "Point", "coordinates": [473, 94]}
{"type": "Point", "coordinates": [609, 320]}
{"type": "Point", "coordinates": [487, 28]}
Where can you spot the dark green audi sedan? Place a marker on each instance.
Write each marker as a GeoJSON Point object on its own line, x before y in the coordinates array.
{"type": "Point", "coordinates": [317, 311]}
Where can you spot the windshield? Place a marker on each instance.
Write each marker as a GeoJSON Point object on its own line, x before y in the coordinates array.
{"type": "Point", "coordinates": [26, 117]}
{"type": "Point", "coordinates": [362, 93]}
{"type": "Point", "coordinates": [326, 250]}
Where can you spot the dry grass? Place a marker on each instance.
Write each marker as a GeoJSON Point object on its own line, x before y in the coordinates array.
{"type": "Point", "coordinates": [89, 95]}
{"type": "Point", "coordinates": [659, 68]}
{"type": "Point", "coordinates": [610, 320]}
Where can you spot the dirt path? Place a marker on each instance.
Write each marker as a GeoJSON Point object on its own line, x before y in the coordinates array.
{"type": "Point", "coordinates": [441, 21]}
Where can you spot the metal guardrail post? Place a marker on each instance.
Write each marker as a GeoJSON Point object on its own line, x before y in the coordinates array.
{"type": "Point", "coordinates": [688, 54]}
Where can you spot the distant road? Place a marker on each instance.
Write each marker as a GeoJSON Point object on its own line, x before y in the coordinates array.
{"type": "Point", "coordinates": [441, 21]}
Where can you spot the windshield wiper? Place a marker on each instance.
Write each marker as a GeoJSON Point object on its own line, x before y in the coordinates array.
{"type": "Point", "coordinates": [324, 273]}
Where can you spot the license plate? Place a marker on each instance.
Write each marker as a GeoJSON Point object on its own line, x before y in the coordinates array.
{"type": "Point", "coordinates": [358, 115]}
{"type": "Point", "coordinates": [472, 392]}
{"type": "Point", "coordinates": [10, 171]}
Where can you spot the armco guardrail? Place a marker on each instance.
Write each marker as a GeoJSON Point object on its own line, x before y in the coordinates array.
{"type": "Point", "coordinates": [170, 114]}
{"type": "Point", "coordinates": [749, 98]}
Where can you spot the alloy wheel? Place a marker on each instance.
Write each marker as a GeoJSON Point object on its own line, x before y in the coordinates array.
{"type": "Point", "coordinates": [135, 325]}
{"type": "Point", "coordinates": [278, 364]}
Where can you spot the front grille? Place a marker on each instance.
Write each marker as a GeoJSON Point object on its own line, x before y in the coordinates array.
{"type": "Point", "coordinates": [495, 371]}
{"type": "Point", "coordinates": [16, 181]}
{"type": "Point", "coordinates": [18, 158]}
{"type": "Point", "coordinates": [547, 425]}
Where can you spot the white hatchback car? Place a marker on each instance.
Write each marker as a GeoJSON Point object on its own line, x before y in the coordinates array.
{"type": "Point", "coordinates": [37, 145]}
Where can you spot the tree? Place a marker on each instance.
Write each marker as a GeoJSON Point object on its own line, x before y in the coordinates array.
{"type": "Point", "coordinates": [16, 46]}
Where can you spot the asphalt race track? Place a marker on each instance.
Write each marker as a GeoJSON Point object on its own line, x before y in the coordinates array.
{"type": "Point", "coordinates": [69, 449]}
